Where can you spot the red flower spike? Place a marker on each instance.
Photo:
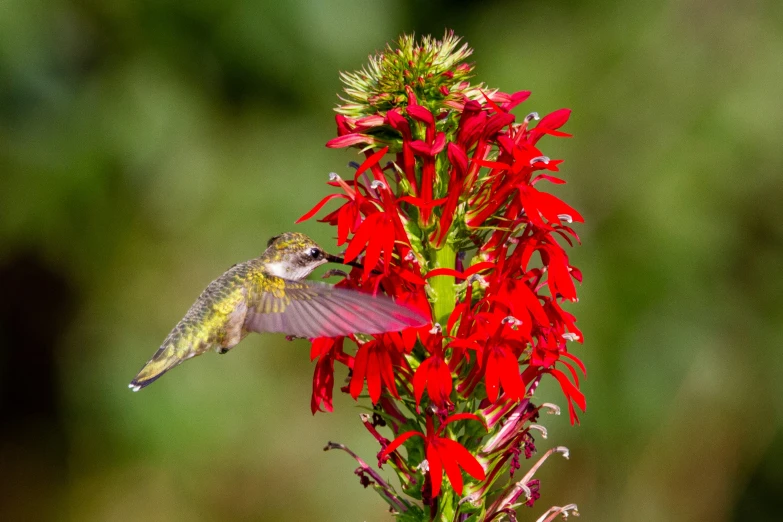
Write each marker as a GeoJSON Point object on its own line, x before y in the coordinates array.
{"type": "Point", "coordinates": [465, 171]}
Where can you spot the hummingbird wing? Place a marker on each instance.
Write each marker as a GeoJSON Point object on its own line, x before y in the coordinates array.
{"type": "Point", "coordinates": [311, 309]}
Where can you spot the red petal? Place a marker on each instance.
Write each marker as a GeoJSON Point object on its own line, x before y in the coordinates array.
{"type": "Point", "coordinates": [492, 164]}
{"type": "Point", "coordinates": [373, 376]}
{"type": "Point", "coordinates": [396, 443]}
{"type": "Point", "coordinates": [516, 98]}
{"type": "Point", "coordinates": [436, 469]}
{"type": "Point", "coordinates": [370, 161]}
{"type": "Point", "coordinates": [571, 391]}
{"type": "Point", "coordinates": [464, 458]}
{"type": "Point", "coordinates": [359, 240]}
{"type": "Point", "coordinates": [509, 376]}
{"type": "Point", "coordinates": [387, 372]}
{"type": "Point", "coordinates": [359, 371]}
{"type": "Point", "coordinates": [459, 416]}
{"type": "Point", "coordinates": [576, 360]}
{"type": "Point", "coordinates": [554, 120]}
{"type": "Point", "coordinates": [443, 271]}
{"type": "Point", "coordinates": [420, 380]}
{"type": "Point", "coordinates": [492, 104]}
{"type": "Point", "coordinates": [319, 206]}
{"type": "Point", "coordinates": [551, 206]}
{"type": "Point", "coordinates": [450, 465]}
{"type": "Point", "coordinates": [491, 379]}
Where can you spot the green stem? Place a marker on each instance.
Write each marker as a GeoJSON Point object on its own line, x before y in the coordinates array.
{"type": "Point", "coordinates": [443, 286]}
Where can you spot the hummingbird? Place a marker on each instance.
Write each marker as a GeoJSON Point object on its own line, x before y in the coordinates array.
{"type": "Point", "coordinates": [270, 294]}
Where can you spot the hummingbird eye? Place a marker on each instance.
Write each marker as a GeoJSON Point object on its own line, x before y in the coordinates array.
{"type": "Point", "coordinates": [315, 253]}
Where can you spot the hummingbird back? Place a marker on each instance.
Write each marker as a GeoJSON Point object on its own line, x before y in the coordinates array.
{"type": "Point", "coordinates": [204, 326]}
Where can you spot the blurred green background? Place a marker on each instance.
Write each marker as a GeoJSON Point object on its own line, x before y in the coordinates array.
{"type": "Point", "coordinates": [146, 146]}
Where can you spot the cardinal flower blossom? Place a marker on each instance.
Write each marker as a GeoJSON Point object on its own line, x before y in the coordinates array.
{"type": "Point", "coordinates": [443, 453]}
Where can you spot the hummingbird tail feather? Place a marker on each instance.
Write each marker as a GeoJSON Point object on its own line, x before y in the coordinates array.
{"type": "Point", "coordinates": [166, 358]}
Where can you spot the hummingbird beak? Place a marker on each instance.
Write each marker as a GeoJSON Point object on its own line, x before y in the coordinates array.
{"type": "Point", "coordinates": [340, 260]}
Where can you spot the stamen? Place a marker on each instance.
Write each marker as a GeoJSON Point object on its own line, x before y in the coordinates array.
{"type": "Point", "coordinates": [436, 329]}
{"type": "Point", "coordinates": [424, 467]}
{"type": "Point", "coordinates": [532, 116]}
{"type": "Point", "coordinates": [353, 165]}
{"type": "Point", "coordinates": [543, 159]}
{"type": "Point", "coordinates": [510, 319]}
{"type": "Point", "coordinates": [554, 409]}
{"type": "Point", "coordinates": [512, 493]}
{"type": "Point", "coordinates": [552, 512]}
{"type": "Point", "coordinates": [333, 176]}
{"type": "Point", "coordinates": [565, 217]}
{"type": "Point", "coordinates": [376, 184]}
{"type": "Point", "coordinates": [569, 336]}
{"type": "Point", "coordinates": [539, 428]}
{"type": "Point", "coordinates": [478, 278]}
{"type": "Point", "coordinates": [473, 499]}
{"type": "Point", "coordinates": [410, 256]}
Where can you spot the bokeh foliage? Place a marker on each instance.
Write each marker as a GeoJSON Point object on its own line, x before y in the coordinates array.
{"type": "Point", "coordinates": [147, 146]}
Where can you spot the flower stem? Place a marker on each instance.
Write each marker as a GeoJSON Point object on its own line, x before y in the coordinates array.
{"type": "Point", "coordinates": [443, 285]}
{"type": "Point", "coordinates": [399, 504]}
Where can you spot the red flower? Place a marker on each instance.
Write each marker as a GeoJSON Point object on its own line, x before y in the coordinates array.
{"type": "Point", "coordinates": [433, 373]}
{"type": "Point", "coordinates": [326, 350]}
{"type": "Point", "coordinates": [375, 362]}
{"type": "Point", "coordinates": [443, 454]}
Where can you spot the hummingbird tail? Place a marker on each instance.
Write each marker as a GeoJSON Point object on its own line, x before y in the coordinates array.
{"type": "Point", "coordinates": [166, 358]}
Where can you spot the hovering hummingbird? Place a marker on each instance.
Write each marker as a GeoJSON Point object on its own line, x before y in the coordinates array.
{"type": "Point", "coordinates": [269, 294]}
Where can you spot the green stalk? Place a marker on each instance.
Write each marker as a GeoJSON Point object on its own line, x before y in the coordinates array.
{"type": "Point", "coordinates": [443, 286]}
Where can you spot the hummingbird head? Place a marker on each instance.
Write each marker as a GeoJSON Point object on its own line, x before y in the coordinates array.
{"type": "Point", "coordinates": [293, 255]}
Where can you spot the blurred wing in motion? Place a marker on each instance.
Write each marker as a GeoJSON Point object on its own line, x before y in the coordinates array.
{"type": "Point", "coordinates": [309, 309]}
